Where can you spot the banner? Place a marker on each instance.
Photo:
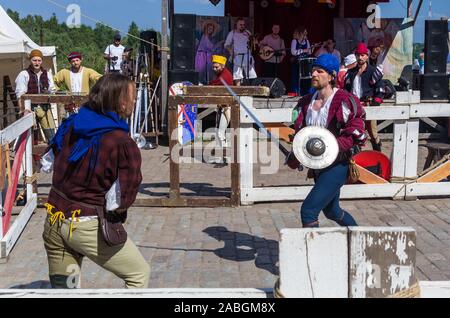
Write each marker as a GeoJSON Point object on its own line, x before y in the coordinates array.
{"type": "Point", "coordinates": [395, 36]}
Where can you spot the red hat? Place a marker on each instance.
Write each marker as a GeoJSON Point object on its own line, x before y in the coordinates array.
{"type": "Point", "coordinates": [74, 55]}
{"type": "Point", "coordinates": [361, 49]}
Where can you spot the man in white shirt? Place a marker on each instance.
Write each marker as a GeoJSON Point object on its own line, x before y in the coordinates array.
{"type": "Point", "coordinates": [113, 54]}
{"type": "Point", "coordinates": [237, 44]}
{"type": "Point", "coordinates": [36, 80]}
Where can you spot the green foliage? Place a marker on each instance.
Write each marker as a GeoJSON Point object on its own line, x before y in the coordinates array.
{"type": "Point", "coordinates": [91, 42]}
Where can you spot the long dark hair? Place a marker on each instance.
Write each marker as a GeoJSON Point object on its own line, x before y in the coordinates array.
{"type": "Point", "coordinates": [108, 92]}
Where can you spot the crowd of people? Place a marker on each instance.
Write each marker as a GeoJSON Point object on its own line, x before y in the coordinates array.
{"type": "Point", "coordinates": [93, 152]}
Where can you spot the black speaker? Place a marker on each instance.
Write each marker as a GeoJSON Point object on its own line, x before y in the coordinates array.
{"type": "Point", "coordinates": [182, 54]}
{"type": "Point", "coordinates": [434, 86]}
{"type": "Point", "coordinates": [436, 47]}
{"type": "Point", "coordinates": [177, 76]}
{"type": "Point", "coordinates": [276, 86]}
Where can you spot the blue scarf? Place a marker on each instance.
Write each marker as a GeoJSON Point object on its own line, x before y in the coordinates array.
{"type": "Point", "coordinates": [89, 127]}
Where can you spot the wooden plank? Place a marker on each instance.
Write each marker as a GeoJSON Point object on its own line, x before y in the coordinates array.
{"type": "Point", "coordinates": [2, 168]}
{"type": "Point", "coordinates": [387, 112]}
{"type": "Point", "coordinates": [222, 90]}
{"type": "Point", "coordinates": [430, 289]}
{"type": "Point", "coordinates": [206, 112]}
{"type": "Point", "coordinates": [428, 189]}
{"type": "Point", "coordinates": [422, 136]}
{"type": "Point", "coordinates": [78, 100]}
{"type": "Point", "coordinates": [412, 148]}
{"type": "Point", "coordinates": [399, 148]}
{"type": "Point", "coordinates": [12, 187]}
{"type": "Point", "coordinates": [382, 261]}
{"type": "Point", "coordinates": [299, 193]}
{"type": "Point", "coordinates": [273, 103]}
{"type": "Point", "coordinates": [303, 255]}
{"type": "Point", "coordinates": [433, 124]}
{"type": "Point", "coordinates": [246, 159]}
{"type": "Point", "coordinates": [13, 234]}
{"type": "Point", "coordinates": [211, 101]}
{"type": "Point", "coordinates": [182, 201]}
{"type": "Point", "coordinates": [436, 175]}
{"type": "Point", "coordinates": [224, 293]}
{"type": "Point", "coordinates": [367, 177]}
{"type": "Point", "coordinates": [280, 131]}
{"type": "Point", "coordinates": [13, 131]}
{"type": "Point", "coordinates": [277, 115]}
{"type": "Point", "coordinates": [384, 124]}
{"type": "Point", "coordinates": [430, 110]}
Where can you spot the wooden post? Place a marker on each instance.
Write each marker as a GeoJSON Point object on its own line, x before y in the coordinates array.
{"type": "Point", "coordinates": [235, 188]}
{"type": "Point", "coordinates": [246, 155]}
{"type": "Point", "coordinates": [164, 66]}
{"type": "Point", "coordinates": [5, 103]}
{"type": "Point", "coordinates": [342, 9]}
{"type": "Point", "coordinates": [412, 147]}
{"type": "Point", "coordinates": [29, 159]}
{"type": "Point", "coordinates": [173, 142]}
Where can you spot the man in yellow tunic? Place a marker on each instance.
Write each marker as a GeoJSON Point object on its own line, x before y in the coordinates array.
{"type": "Point", "coordinates": [78, 79]}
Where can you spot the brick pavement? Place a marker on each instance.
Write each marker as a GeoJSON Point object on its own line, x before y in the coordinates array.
{"type": "Point", "coordinates": [225, 247]}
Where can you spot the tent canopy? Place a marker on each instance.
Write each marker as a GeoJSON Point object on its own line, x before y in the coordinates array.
{"type": "Point", "coordinates": [15, 46]}
{"type": "Point", "coordinates": [14, 41]}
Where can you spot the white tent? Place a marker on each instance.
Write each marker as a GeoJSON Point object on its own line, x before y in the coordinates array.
{"type": "Point", "coordinates": [14, 48]}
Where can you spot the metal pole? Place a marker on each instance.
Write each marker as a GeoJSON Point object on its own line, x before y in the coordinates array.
{"type": "Point", "coordinates": [409, 8]}
{"type": "Point", "coordinates": [164, 65]}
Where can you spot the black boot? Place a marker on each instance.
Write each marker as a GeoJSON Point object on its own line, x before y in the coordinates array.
{"type": "Point", "coordinates": [376, 145]}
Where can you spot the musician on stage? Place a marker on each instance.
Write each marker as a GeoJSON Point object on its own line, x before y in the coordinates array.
{"type": "Point", "coordinates": [238, 44]}
{"type": "Point", "coordinates": [365, 82]}
{"type": "Point", "coordinates": [36, 80]}
{"type": "Point", "coordinates": [300, 47]}
{"type": "Point", "coordinates": [330, 107]}
{"type": "Point", "coordinates": [272, 46]}
{"type": "Point", "coordinates": [329, 46]}
{"type": "Point", "coordinates": [113, 54]}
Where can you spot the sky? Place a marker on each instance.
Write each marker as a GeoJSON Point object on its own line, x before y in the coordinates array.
{"type": "Point", "coordinates": [147, 13]}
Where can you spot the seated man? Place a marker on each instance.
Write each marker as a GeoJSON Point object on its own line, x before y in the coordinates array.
{"type": "Point", "coordinates": [223, 111]}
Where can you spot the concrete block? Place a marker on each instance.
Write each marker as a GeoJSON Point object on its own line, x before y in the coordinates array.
{"type": "Point", "coordinates": [314, 263]}
{"type": "Point", "coordinates": [382, 260]}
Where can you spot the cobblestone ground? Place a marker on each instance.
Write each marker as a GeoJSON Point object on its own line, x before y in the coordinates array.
{"type": "Point", "coordinates": [225, 247]}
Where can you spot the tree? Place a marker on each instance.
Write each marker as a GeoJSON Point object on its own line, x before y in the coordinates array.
{"type": "Point", "coordinates": [132, 41]}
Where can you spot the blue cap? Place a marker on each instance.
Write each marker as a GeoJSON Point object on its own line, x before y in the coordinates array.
{"type": "Point", "coordinates": [328, 62]}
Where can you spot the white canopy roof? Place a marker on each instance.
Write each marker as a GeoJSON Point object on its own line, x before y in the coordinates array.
{"type": "Point", "coordinates": [14, 41]}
